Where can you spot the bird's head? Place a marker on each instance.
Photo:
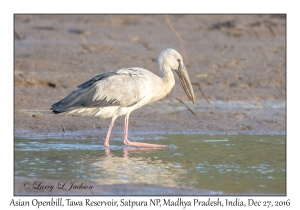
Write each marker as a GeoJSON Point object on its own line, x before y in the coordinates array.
{"type": "Point", "coordinates": [173, 60]}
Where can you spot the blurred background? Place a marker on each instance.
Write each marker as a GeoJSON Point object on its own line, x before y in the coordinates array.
{"type": "Point", "coordinates": [239, 61]}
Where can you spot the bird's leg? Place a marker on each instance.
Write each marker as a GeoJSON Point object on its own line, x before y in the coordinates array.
{"type": "Point", "coordinates": [107, 152]}
{"type": "Point", "coordinates": [106, 142]}
{"type": "Point", "coordinates": [136, 144]}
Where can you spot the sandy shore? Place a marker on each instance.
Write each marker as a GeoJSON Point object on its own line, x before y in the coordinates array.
{"type": "Point", "coordinates": [239, 61]}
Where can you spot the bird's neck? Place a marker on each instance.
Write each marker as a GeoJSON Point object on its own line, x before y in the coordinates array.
{"type": "Point", "coordinates": [167, 76]}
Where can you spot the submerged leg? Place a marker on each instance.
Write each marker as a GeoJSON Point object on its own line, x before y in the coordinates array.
{"type": "Point", "coordinates": [136, 144]}
{"type": "Point", "coordinates": [106, 142]}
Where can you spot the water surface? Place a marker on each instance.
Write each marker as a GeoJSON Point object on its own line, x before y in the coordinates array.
{"type": "Point", "coordinates": [230, 164]}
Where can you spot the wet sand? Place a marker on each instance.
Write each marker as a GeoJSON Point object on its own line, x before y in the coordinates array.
{"type": "Point", "coordinates": [239, 61]}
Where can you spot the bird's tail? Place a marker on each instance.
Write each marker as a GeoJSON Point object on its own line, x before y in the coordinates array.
{"type": "Point", "coordinates": [56, 112]}
{"type": "Point", "coordinates": [56, 108]}
{"type": "Point", "coordinates": [72, 101]}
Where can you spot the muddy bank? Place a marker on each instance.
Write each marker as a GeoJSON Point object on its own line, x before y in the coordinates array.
{"type": "Point", "coordinates": [161, 118]}
{"type": "Point", "coordinates": [239, 60]}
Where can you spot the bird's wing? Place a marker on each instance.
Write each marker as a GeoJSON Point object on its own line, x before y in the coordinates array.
{"type": "Point", "coordinates": [96, 78]}
{"type": "Point", "coordinates": [124, 87]}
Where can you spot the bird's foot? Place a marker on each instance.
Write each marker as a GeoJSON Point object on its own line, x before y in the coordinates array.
{"type": "Point", "coordinates": [139, 144]}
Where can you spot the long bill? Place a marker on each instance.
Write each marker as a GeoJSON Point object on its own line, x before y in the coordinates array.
{"type": "Point", "coordinates": [185, 82]}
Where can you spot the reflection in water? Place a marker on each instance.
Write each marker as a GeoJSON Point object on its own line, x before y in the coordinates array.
{"type": "Point", "coordinates": [231, 164]}
{"type": "Point", "coordinates": [136, 170]}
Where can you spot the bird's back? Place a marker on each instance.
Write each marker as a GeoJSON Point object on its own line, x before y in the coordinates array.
{"type": "Point", "coordinates": [122, 88]}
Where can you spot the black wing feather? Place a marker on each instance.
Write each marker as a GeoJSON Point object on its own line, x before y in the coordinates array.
{"type": "Point", "coordinates": [84, 92]}
{"type": "Point", "coordinates": [96, 78]}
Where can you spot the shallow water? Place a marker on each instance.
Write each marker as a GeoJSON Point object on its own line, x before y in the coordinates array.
{"type": "Point", "coordinates": [230, 164]}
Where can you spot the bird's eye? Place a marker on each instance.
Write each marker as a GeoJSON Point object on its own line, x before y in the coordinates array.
{"type": "Point", "coordinates": [178, 60]}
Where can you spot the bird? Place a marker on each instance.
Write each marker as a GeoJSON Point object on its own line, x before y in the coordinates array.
{"type": "Point", "coordinates": [118, 93]}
